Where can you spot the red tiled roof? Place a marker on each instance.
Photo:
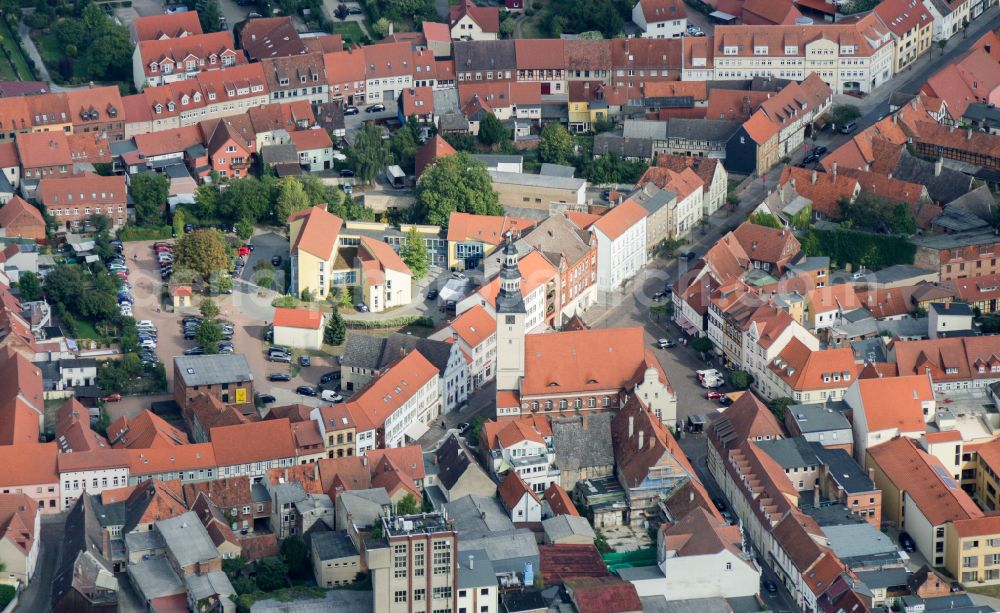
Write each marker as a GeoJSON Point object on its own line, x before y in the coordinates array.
{"type": "Point", "coordinates": [824, 192]}
{"type": "Point", "coordinates": [253, 442]}
{"type": "Point", "coordinates": [42, 149]}
{"type": "Point", "coordinates": [18, 211]}
{"type": "Point", "coordinates": [319, 231]}
{"type": "Point", "coordinates": [307, 140]}
{"type": "Point", "coordinates": [490, 229]}
{"type": "Point", "coordinates": [298, 318]}
{"type": "Point", "coordinates": [487, 17]}
{"type": "Point", "coordinates": [615, 222]}
{"type": "Point", "coordinates": [87, 189]}
{"type": "Point", "coordinates": [474, 326]}
{"type": "Point", "coordinates": [656, 11]}
{"type": "Point", "coordinates": [168, 25]}
{"type": "Point", "coordinates": [436, 147]}
{"type": "Point", "coordinates": [512, 489]}
{"type": "Point", "coordinates": [603, 595]}
{"type": "Point", "coordinates": [559, 501]}
{"type": "Point", "coordinates": [29, 463]}
{"type": "Point", "coordinates": [895, 402]}
{"type": "Point", "coordinates": [381, 258]}
{"type": "Point", "coordinates": [384, 395]}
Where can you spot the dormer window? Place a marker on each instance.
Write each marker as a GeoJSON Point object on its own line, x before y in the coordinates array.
{"type": "Point", "coordinates": [197, 97]}
{"type": "Point", "coordinates": [212, 59]}
{"type": "Point", "coordinates": [302, 78]}
{"type": "Point", "coordinates": [729, 50]}
{"type": "Point", "coordinates": [170, 106]}
{"type": "Point", "coordinates": [153, 67]}
{"type": "Point", "coordinates": [211, 95]}
{"type": "Point", "coordinates": [847, 49]}
{"type": "Point", "coordinates": [228, 60]}
{"type": "Point", "coordinates": [191, 64]}
{"type": "Point", "coordinates": [791, 50]}
{"type": "Point", "coordinates": [158, 108]}
{"type": "Point", "coordinates": [185, 100]}
{"type": "Point", "coordinates": [760, 50]}
{"type": "Point", "coordinates": [283, 82]}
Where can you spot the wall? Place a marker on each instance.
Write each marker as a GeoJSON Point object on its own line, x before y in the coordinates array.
{"type": "Point", "coordinates": [709, 576]}
{"type": "Point", "coordinates": [298, 337]}
{"type": "Point", "coordinates": [922, 531]}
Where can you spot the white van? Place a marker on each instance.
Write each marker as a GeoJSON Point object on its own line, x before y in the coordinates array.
{"type": "Point", "coordinates": [331, 396]}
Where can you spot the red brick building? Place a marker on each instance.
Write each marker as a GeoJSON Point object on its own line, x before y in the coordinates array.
{"type": "Point", "coordinates": [44, 154]}
{"type": "Point", "coordinates": [20, 219]}
{"type": "Point", "coordinates": [73, 200]}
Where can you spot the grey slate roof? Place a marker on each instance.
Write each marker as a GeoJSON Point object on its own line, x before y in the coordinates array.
{"type": "Point", "coordinates": [789, 453]}
{"type": "Point", "coordinates": [81, 564]}
{"type": "Point", "coordinates": [187, 539]}
{"type": "Point", "coordinates": [610, 143]}
{"type": "Point", "coordinates": [944, 187]}
{"type": "Point", "coordinates": [365, 506]}
{"type": "Point", "coordinates": [887, 577]}
{"type": "Point", "coordinates": [479, 573]}
{"type": "Point", "coordinates": [453, 460]}
{"type": "Point", "coordinates": [653, 198]}
{"type": "Point", "coordinates": [713, 130]}
{"type": "Point", "coordinates": [818, 418]}
{"type": "Point", "coordinates": [645, 128]}
{"type": "Point", "coordinates": [952, 308]}
{"type": "Point", "coordinates": [859, 540]}
{"type": "Point", "coordinates": [208, 584]}
{"type": "Point", "coordinates": [484, 55]}
{"type": "Point", "coordinates": [213, 369]}
{"type": "Point", "coordinates": [557, 235]}
{"type": "Point", "coordinates": [492, 160]}
{"type": "Point", "coordinates": [843, 469]}
{"type": "Point", "coordinates": [475, 516]}
{"type": "Point", "coordinates": [509, 551]}
{"type": "Point", "coordinates": [155, 578]}
{"type": "Point", "coordinates": [530, 180]}
{"type": "Point", "coordinates": [659, 604]}
{"type": "Point", "coordinates": [562, 526]}
{"type": "Point", "coordinates": [279, 154]}
{"type": "Point", "coordinates": [578, 446]}
{"type": "Point", "coordinates": [376, 352]}
{"type": "Point", "coordinates": [333, 545]}
{"type": "Point", "coordinates": [557, 170]}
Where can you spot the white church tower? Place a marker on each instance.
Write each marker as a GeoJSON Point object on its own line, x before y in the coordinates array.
{"type": "Point", "coordinates": [510, 322]}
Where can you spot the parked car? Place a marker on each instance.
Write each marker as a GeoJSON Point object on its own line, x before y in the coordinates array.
{"type": "Point", "coordinates": [907, 543]}
{"type": "Point", "coordinates": [304, 361]}
{"type": "Point", "coordinates": [351, 110]}
{"type": "Point", "coordinates": [276, 260]}
{"type": "Point", "coordinates": [432, 294]}
{"type": "Point", "coordinates": [280, 357]}
{"type": "Point", "coordinates": [331, 396]}
{"type": "Point", "coordinates": [658, 296]}
{"type": "Point", "coordinates": [355, 10]}
{"type": "Point", "coordinates": [197, 350]}
{"type": "Point", "coordinates": [330, 376]}
{"type": "Point", "coordinates": [266, 398]}
{"type": "Point", "coordinates": [346, 173]}
{"type": "Point", "coordinates": [278, 376]}
{"type": "Point", "coordinates": [849, 127]}
{"type": "Point", "coordinates": [305, 390]}
{"type": "Point", "coordinates": [770, 586]}
{"type": "Point", "coordinates": [820, 150]}
{"type": "Point", "coordinates": [463, 427]}
{"type": "Point", "coordinates": [666, 343]}
{"type": "Point", "coordinates": [714, 395]}
{"type": "Point", "coordinates": [375, 108]}
{"type": "Point", "coordinates": [711, 372]}
{"type": "Point", "coordinates": [112, 398]}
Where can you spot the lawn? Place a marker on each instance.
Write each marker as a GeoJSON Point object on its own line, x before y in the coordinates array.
{"type": "Point", "coordinates": [993, 591]}
{"type": "Point", "coordinates": [350, 31]}
{"type": "Point", "coordinates": [51, 52]}
{"type": "Point", "coordinates": [18, 71]}
{"type": "Point", "coordinates": [85, 329]}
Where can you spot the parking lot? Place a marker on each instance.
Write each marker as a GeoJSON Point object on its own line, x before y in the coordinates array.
{"type": "Point", "coordinates": [248, 337]}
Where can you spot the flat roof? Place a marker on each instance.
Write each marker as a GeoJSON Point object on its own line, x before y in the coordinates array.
{"type": "Point", "coordinates": [521, 178]}
{"type": "Point", "coordinates": [213, 369]}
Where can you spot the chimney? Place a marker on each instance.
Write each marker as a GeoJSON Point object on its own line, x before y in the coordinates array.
{"type": "Point", "coordinates": [631, 426]}
{"type": "Point", "coordinates": [871, 475]}
{"type": "Point", "coordinates": [895, 118]}
{"type": "Point", "coordinates": [286, 475]}
{"type": "Point", "coordinates": [968, 134]}
{"type": "Point", "coordinates": [816, 496]}
{"type": "Point", "coordinates": [814, 177]}
{"type": "Point", "coordinates": [364, 460]}
{"type": "Point", "coordinates": [390, 28]}
{"type": "Point", "coordinates": [834, 169]}
{"type": "Point", "coordinates": [938, 165]}
{"type": "Point", "coordinates": [472, 561]}
{"type": "Point", "coordinates": [640, 439]}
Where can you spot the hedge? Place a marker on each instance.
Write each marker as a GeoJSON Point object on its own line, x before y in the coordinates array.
{"type": "Point", "coordinates": [145, 233]}
{"type": "Point", "coordinates": [397, 322]}
{"type": "Point", "coordinates": [874, 251]}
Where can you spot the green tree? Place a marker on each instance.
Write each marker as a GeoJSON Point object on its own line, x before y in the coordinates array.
{"type": "Point", "coordinates": [761, 218]}
{"type": "Point", "coordinates": [29, 286]}
{"type": "Point", "coordinates": [271, 574]}
{"type": "Point", "coordinates": [414, 254]}
{"type": "Point", "coordinates": [381, 27]}
{"type": "Point", "coordinates": [404, 148]}
{"type": "Point", "coordinates": [295, 556]}
{"type": "Point", "coordinates": [601, 543]}
{"type": "Point", "coordinates": [70, 32]}
{"type": "Point", "coordinates": [778, 406]}
{"type": "Point", "coordinates": [208, 334]}
{"type": "Point", "coordinates": [507, 28]}
{"type": "Point", "coordinates": [740, 379]}
{"type": "Point", "coordinates": [110, 53]}
{"type": "Point", "coordinates": [702, 344]}
{"type": "Point", "coordinates": [244, 229]}
{"type": "Point", "coordinates": [407, 505]}
{"type": "Point", "coordinates": [369, 154]}
{"type": "Point", "coordinates": [247, 198]}
{"type": "Point", "coordinates": [111, 377]}
{"type": "Point", "coordinates": [149, 191]}
{"type": "Point", "coordinates": [613, 169]}
{"type": "Point", "coordinates": [178, 222]}
{"type": "Point", "coordinates": [456, 183]}
{"type": "Point", "coordinates": [475, 429]}
{"type": "Point", "coordinates": [335, 331]}
{"type": "Point", "coordinates": [208, 308]}
{"type": "Point", "coordinates": [317, 191]}
{"type": "Point", "coordinates": [842, 114]}
{"type": "Point", "coordinates": [492, 131]}
{"type": "Point", "coordinates": [291, 198]}
{"type": "Point", "coordinates": [64, 284]}
{"type": "Point", "coordinates": [207, 199]}
{"type": "Point", "coordinates": [556, 144]}
{"type": "Point", "coordinates": [901, 219]}
{"type": "Point", "coordinates": [209, 14]}
{"type": "Point", "coordinates": [202, 251]}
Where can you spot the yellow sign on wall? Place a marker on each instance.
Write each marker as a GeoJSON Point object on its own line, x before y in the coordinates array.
{"type": "Point", "coordinates": [241, 396]}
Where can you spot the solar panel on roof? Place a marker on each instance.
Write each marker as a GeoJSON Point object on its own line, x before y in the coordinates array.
{"type": "Point", "coordinates": [945, 477]}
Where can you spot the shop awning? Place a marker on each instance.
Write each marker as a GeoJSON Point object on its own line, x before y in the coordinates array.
{"type": "Point", "coordinates": [416, 430]}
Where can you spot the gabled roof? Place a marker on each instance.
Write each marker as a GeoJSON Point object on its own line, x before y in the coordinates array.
{"type": "Point", "coordinates": [559, 501]}
{"type": "Point", "coordinates": [41, 149]}
{"type": "Point", "coordinates": [747, 418]}
{"type": "Point", "coordinates": [168, 25]}
{"type": "Point", "coordinates": [894, 403]}
{"type": "Point", "coordinates": [169, 141]}
{"type": "Point", "coordinates": [486, 17]}
{"type": "Point", "coordinates": [925, 479]}
{"type": "Point", "coordinates": [513, 488]}
{"type": "Point", "coordinates": [615, 222]}
{"type": "Point", "coordinates": [270, 37]}
{"type": "Point", "coordinates": [319, 232]}
{"type": "Point", "coordinates": [699, 534]}
{"type": "Point", "coordinates": [805, 370]}
{"type": "Point", "coordinates": [253, 442]}
{"type": "Point", "coordinates": [73, 432]}
{"type": "Point", "coordinates": [199, 47]}
{"type": "Point", "coordinates": [474, 326]}
{"type": "Point", "coordinates": [298, 318]}
{"type": "Point", "coordinates": [147, 430]}
{"type": "Point", "coordinates": [377, 258]}
{"type": "Point", "coordinates": [18, 211]}
{"type": "Point", "coordinates": [490, 229]}
{"type": "Point", "coordinates": [642, 442]}
{"type": "Point", "coordinates": [656, 11]}
{"type": "Point", "coordinates": [17, 521]}
{"type": "Point", "coordinates": [384, 395]}
{"type": "Point", "coordinates": [436, 147]}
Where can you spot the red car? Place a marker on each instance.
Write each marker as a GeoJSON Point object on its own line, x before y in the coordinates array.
{"type": "Point", "coordinates": [112, 398]}
{"type": "Point", "coordinates": [714, 395]}
{"type": "Point", "coordinates": [244, 250]}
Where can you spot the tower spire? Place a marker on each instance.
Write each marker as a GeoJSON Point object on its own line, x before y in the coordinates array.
{"type": "Point", "coordinates": [509, 300]}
